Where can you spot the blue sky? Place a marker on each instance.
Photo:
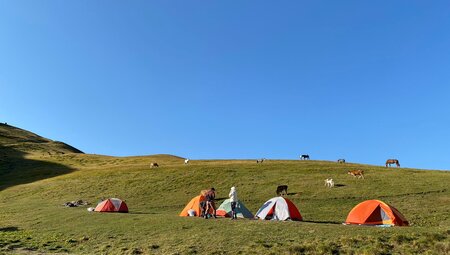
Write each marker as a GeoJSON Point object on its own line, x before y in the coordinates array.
{"type": "Point", "coordinates": [360, 80]}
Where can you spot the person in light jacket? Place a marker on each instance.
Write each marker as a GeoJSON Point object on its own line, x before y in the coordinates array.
{"type": "Point", "coordinates": [234, 200]}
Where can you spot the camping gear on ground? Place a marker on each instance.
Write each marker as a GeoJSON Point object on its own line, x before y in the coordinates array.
{"type": "Point", "coordinates": [91, 209]}
{"type": "Point", "coordinates": [191, 213]}
{"type": "Point", "coordinates": [375, 213]}
{"type": "Point", "coordinates": [241, 211]}
{"type": "Point", "coordinates": [75, 203]}
{"type": "Point", "coordinates": [278, 208]}
{"type": "Point", "coordinates": [112, 205]}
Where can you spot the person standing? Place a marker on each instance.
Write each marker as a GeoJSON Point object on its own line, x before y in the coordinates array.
{"type": "Point", "coordinates": [233, 200]}
{"type": "Point", "coordinates": [210, 196]}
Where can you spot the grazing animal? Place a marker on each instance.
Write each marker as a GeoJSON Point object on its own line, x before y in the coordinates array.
{"type": "Point", "coordinates": [260, 160]}
{"type": "Point", "coordinates": [356, 173]}
{"type": "Point", "coordinates": [186, 161]}
{"type": "Point", "coordinates": [154, 164]}
{"type": "Point", "coordinates": [282, 190]}
{"type": "Point", "coordinates": [341, 160]}
{"type": "Point", "coordinates": [329, 183]}
{"type": "Point", "coordinates": [304, 157]}
{"type": "Point", "coordinates": [389, 162]}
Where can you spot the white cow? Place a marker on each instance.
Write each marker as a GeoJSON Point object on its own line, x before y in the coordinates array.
{"type": "Point", "coordinates": [186, 161]}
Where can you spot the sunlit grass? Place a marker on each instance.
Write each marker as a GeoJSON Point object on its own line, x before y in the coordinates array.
{"type": "Point", "coordinates": [33, 218]}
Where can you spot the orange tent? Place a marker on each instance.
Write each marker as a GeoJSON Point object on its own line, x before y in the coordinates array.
{"type": "Point", "coordinates": [112, 205]}
{"type": "Point", "coordinates": [194, 204]}
{"type": "Point", "coordinates": [375, 212]}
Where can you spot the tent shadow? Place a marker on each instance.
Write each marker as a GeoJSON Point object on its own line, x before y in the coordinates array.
{"type": "Point", "coordinates": [16, 169]}
{"type": "Point", "coordinates": [323, 222]}
{"type": "Point", "coordinates": [9, 229]}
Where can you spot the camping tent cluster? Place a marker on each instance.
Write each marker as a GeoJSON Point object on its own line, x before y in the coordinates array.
{"type": "Point", "coordinates": [370, 212]}
{"type": "Point", "coordinates": [277, 208]}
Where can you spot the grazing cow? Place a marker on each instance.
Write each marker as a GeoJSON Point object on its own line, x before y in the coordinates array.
{"type": "Point", "coordinates": [389, 162]}
{"type": "Point", "coordinates": [260, 160]}
{"type": "Point", "coordinates": [154, 164]}
{"type": "Point", "coordinates": [329, 183]}
{"type": "Point", "coordinates": [304, 157]}
{"type": "Point", "coordinates": [186, 161]}
{"type": "Point", "coordinates": [341, 160]}
{"type": "Point", "coordinates": [282, 190]}
{"type": "Point", "coordinates": [356, 173]}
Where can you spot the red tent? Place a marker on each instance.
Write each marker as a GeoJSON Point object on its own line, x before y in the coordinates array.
{"type": "Point", "coordinates": [112, 205]}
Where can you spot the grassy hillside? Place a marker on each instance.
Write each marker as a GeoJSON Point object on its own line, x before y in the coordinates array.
{"type": "Point", "coordinates": [33, 220]}
{"type": "Point", "coordinates": [20, 156]}
{"type": "Point", "coordinates": [18, 142]}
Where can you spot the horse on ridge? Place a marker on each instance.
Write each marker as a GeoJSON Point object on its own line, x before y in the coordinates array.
{"type": "Point", "coordinates": [389, 162]}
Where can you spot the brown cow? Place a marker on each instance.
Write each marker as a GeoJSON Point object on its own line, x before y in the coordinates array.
{"type": "Point", "coordinates": [356, 173]}
{"type": "Point", "coordinates": [154, 164]}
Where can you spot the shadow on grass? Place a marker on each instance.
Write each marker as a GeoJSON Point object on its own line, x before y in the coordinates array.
{"type": "Point", "coordinates": [15, 169]}
{"type": "Point", "coordinates": [292, 193]}
{"type": "Point", "coordinates": [339, 185]}
{"type": "Point", "coordinates": [323, 222]}
{"type": "Point", "coordinates": [144, 213]}
{"type": "Point", "coordinates": [9, 229]}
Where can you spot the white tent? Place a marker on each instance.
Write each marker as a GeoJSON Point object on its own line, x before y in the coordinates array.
{"type": "Point", "coordinates": [278, 208]}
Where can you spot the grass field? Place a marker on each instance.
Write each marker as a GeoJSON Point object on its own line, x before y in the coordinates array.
{"type": "Point", "coordinates": [34, 186]}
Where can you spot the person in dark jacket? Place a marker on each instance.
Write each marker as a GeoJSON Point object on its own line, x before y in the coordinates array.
{"type": "Point", "coordinates": [210, 204]}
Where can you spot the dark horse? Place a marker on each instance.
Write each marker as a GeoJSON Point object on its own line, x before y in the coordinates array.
{"type": "Point", "coordinates": [306, 156]}
{"type": "Point", "coordinates": [389, 162]}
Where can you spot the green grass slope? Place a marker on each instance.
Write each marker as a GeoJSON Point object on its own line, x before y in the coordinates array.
{"type": "Point", "coordinates": [22, 156]}
{"type": "Point", "coordinates": [33, 220]}
{"type": "Point", "coordinates": [19, 142]}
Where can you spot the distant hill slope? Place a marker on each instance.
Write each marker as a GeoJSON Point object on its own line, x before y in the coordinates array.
{"type": "Point", "coordinates": [18, 142]}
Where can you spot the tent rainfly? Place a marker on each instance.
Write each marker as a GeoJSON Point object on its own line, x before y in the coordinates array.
{"type": "Point", "coordinates": [224, 210]}
{"type": "Point", "coordinates": [194, 205]}
{"type": "Point", "coordinates": [279, 208]}
{"type": "Point", "coordinates": [375, 213]}
{"type": "Point", "coordinates": [112, 205]}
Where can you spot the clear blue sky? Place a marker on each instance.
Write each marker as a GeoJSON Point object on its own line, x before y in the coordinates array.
{"type": "Point", "coordinates": [360, 80]}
